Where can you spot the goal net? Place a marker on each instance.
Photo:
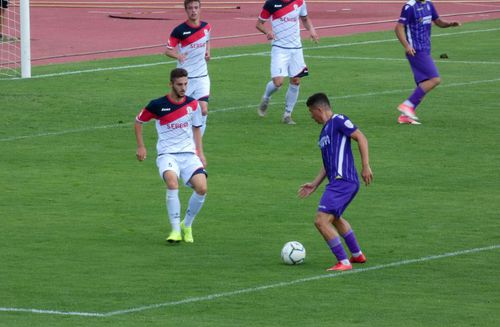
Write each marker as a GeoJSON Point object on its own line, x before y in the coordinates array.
{"type": "Point", "coordinates": [14, 39]}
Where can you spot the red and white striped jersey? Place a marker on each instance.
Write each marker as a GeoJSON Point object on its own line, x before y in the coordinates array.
{"type": "Point", "coordinates": [285, 16]}
{"type": "Point", "coordinates": [191, 41]}
{"type": "Point", "coordinates": [174, 123]}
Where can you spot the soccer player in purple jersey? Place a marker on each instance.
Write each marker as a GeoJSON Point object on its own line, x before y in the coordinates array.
{"type": "Point", "coordinates": [343, 183]}
{"type": "Point", "coordinates": [413, 30]}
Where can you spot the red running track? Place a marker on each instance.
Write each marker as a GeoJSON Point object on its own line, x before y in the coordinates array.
{"type": "Point", "coordinates": [64, 33]}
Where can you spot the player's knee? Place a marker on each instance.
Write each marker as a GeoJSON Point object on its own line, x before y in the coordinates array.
{"type": "Point", "coordinates": [172, 185]}
{"type": "Point", "coordinates": [201, 189]}
{"type": "Point", "coordinates": [437, 81]}
{"type": "Point", "coordinates": [278, 82]}
{"type": "Point", "coordinates": [199, 183]}
{"type": "Point", "coordinates": [171, 180]}
{"type": "Point", "coordinates": [295, 81]}
{"type": "Point", "coordinates": [320, 222]}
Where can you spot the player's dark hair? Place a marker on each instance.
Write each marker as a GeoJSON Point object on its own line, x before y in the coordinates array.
{"type": "Point", "coordinates": [186, 2]}
{"type": "Point", "coordinates": [177, 73]}
{"type": "Point", "coordinates": [318, 99]}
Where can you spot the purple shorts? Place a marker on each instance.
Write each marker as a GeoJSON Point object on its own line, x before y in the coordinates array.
{"type": "Point", "coordinates": [337, 196]}
{"type": "Point", "coordinates": [422, 66]}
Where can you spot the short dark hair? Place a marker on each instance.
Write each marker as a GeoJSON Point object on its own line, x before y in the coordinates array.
{"type": "Point", "coordinates": [177, 73]}
{"type": "Point", "coordinates": [186, 2]}
{"type": "Point", "coordinates": [318, 99]}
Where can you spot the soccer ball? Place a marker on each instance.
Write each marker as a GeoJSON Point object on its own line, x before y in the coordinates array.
{"type": "Point", "coordinates": [293, 253]}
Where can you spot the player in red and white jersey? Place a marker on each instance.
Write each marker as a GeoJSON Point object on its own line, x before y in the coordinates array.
{"type": "Point", "coordinates": [189, 45]}
{"type": "Point", "coordinates": [287, 58]}
{"type": "Point", "coordinates": [180, 151]}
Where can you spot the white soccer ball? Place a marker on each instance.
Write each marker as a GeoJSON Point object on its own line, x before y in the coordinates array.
{"type": "Point", "coordinates": [293, 253]}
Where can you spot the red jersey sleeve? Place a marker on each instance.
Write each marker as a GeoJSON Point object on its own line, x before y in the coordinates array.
{"type": "Point", "coordinates": [172, 42]}
{"type": "Point", "coordinates": [144, 116]}
{"type": "Point", "coordinates": [264, 14]}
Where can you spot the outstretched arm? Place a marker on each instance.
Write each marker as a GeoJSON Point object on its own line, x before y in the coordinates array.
{"type": "Point", "coordinates": [308, 188]}
{"type": "Point", "coordinates": [366, 171]}
{"type": "Point", "coordinates": [443, 24]}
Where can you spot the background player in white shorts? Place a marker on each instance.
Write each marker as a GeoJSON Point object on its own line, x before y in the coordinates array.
{"type": "Point", "coordinates": [180, 151]}
{"type": "Point", "coordinates": [287, 58]}
{"type": "Point", "coordinates": [189, 44]}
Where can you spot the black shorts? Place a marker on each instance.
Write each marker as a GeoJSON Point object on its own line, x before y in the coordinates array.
{"type": "Point", "coordinates": [5, 3]}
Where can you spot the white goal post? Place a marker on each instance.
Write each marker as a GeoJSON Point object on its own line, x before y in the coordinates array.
{"type": "Point", "coordinates": [15, 44]}
{"type": "Point", "coordinates": [25, 39]}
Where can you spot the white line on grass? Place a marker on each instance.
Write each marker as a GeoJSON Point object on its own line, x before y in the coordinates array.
{"type": "Point", "coordinates": [249, 106]}
{"type": "Point", "coordinates": [69, 131]}
{"type": "Point", "coordinates": [54, 312]}
{"type": "Point", "coordinates": [339, 45]}
{"type": "Point", "coordinates": [216, 296]}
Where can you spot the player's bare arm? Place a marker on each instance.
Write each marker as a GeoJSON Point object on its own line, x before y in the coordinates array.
{"type": "Point", "coordinates": [260, 26]}
{"type": "Point", "coordinates": [444, 24]}
{"type": "Point", "coordinates": [141, 152]}
{"type": "Point", "coordinates": [207, 52]}
{"type": "Point", "coordinates": [366, 171]}
{"type": "Point", "coordinates": [173, 53]}
{"type": "Point", "coordinates": [400, 33]}
{"type": "Point", "coordinates": [308, 188]}
{"type": "Point", "coordinates": [309, 26]}
{"type": "Point", "coordinates": [199, 145]}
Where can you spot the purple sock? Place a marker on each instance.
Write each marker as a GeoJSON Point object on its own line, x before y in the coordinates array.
{"type": "Point", "coordinates": [351, 242]}
{"type": "Point", "coordinates": [417, 96]}
{"type": "Point", "coordinates": [337, 249]}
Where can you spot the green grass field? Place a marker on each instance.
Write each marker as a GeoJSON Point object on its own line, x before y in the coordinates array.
{"type": "Point", "coordinates": [83, 223]}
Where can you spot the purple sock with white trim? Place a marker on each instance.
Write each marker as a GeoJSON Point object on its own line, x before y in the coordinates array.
{"type": "Point", "coordinates": [337, 249]}
{"type": "Point", "coordinates": [417, 96]}
{"type": "Point", "coordinates": [351, 242]}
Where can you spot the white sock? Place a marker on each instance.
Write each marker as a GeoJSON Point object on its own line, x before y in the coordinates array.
{"type": "Point", "coordinates": [292, 94]}
{"type": "Point", "coordinates": [174, 209]}
{"type": "Point", "coordinates": [270, 89]}
{"type": "Point", "coordinates": [195, 203]}
{"type": "Point", "coordinates": [408, 103]}
{"type": "Point", "coordinates": [204, 124]}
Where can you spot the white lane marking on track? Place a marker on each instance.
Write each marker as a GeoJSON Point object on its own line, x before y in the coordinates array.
{"type": "Point", "coordinates": [97, 70]}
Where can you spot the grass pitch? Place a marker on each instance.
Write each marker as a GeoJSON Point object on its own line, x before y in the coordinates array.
{"type": "Point", "coordinates": [83, 223]}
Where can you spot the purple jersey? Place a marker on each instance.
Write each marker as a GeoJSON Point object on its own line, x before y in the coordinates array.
{"type": "Point", "coordinates": [417, 17]}
{"type": "Point", "coordinates": [335, 144]}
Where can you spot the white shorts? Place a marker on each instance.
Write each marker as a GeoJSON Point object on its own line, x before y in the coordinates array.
{"type": "Point", "coordinates": [199, 88]}
{"type": "Point", "coordinates": [287, 62]}
{"type": "Point", "coordinates": [183, 164]}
